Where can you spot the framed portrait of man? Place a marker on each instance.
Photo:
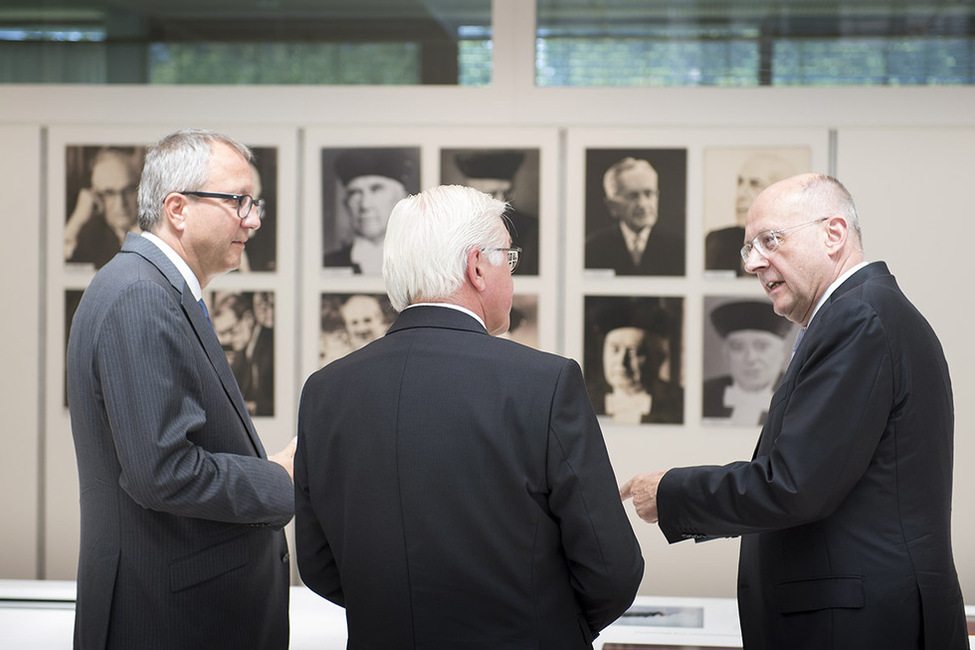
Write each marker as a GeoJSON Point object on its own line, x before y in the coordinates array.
{"type": "Point", "coordinates": [101, 201]}
{"type": "Point", "coordinates": [360, 186]}
{"type": "Point", "coordinates": [746, 349]}
{"type": "Point", "coordinates": [633, 358]}
{"type": "Point", "coordinates": [510, 175]}
{"type": "Point", "coordinates": [635, 211]}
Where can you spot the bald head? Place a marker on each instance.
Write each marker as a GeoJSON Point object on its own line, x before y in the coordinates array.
{"type": "Point", "coordinates": [802, 234]}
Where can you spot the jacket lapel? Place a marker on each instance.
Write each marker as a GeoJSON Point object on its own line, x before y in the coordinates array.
{"type": "Point", "coordinates": [202, 327]}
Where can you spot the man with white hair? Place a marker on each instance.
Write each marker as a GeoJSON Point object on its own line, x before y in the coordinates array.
{"type": "Point", "coordinates": [450, 481]}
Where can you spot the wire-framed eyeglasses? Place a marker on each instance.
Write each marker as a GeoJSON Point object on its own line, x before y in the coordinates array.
{"type": "Point", "coordinates": [514, 256]}
{"type": "Point", "coordinates": [768, 241]}
{"type": "Point", "coordinates": [245, 202]}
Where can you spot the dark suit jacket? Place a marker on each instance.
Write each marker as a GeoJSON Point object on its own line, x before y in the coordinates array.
{"type": "Point", "coordinates": [845, 509]}
{"type": "Point", "coordinates": [453, 491]}
{"type": "Point", "coordinates": [664, 254]}
{"type": "Point", "coordinates": [181, 515]}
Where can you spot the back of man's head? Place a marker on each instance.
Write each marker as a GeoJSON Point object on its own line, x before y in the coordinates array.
{"type": "Point", "coordinates": [428, 237]}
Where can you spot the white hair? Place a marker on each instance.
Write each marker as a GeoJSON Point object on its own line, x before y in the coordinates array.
{"type": "Point", "coordinates": [428, 237]}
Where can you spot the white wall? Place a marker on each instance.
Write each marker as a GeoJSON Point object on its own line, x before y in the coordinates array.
{"type": "Point", "coordinates": [20, 350]}
{"type": "Point", "coordinates": [905, 153]}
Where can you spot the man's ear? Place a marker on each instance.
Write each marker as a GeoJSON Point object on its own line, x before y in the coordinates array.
{"type": "Point", "coordinates": [173, 212]}
{"type": "Point", "coordinates": [837, 231]}
{"type": "Point", "coordinates": [475, 270]}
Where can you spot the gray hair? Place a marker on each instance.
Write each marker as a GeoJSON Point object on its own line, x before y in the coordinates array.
{"type": "Point", "coordinates": [611, 177]}
{"type": "Point", "coordinates": [428, 238]}
{"type": "Point", "coordinates": [178, 163]}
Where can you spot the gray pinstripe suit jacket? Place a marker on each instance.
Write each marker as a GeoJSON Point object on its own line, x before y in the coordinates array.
{"type": "Point", "coordinates": [181, 515]}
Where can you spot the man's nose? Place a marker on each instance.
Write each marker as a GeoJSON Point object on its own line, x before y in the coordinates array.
{"type": "Point", "coordinates": [754, 261]}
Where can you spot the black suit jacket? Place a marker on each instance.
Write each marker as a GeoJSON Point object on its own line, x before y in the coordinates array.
{"type": "Point", "coordinates": [453, 491]}
{"type": "Point", "coordinates": [664, 254]}
{"type": "Point", "coordinates": [845, 509]}
{"type": "Point", "coordinates": [181, 513]}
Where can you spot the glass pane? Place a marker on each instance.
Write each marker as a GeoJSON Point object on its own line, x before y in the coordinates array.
{"type": "Point", "coordinates": [270, 42]}
{"type": "Point", "coordinates": [753, 43]}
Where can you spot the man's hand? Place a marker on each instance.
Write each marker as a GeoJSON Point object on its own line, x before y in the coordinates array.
{"type": "Point", "coordinates": [642, 488]}
{"type": "Point", "coordinates": [286, 458]}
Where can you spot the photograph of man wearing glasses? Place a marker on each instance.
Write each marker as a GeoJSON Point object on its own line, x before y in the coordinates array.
{"type": "Point", "coordinates": [101, 185]}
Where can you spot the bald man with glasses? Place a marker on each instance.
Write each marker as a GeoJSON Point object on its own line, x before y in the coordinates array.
{"type": "Point", "coordinates": [844, 510]}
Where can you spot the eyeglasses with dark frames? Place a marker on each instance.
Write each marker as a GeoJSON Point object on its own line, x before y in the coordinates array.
{"type": "Point", "coordinates": [514, 256]}
{"type": "Point", "coordinates": [767, 241]}
{"type": "Point", "coordinates": [245, 202]}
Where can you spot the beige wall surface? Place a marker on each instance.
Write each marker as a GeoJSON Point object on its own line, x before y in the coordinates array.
{"type": "Point", "coordinates": [20, 327]}
{"type": "Point", "coordinates": [905, 153]}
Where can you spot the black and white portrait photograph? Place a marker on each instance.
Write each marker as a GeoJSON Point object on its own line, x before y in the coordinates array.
{"type": "Point", "coordinates": [350, 321]}
{"type": "Point", "coordinates": [633, 358]}
{"type": "Point", "coordinates": [359, 189]}
{"type": "Point", "coordinates": [244, 323]}
{"type": "Point", "coordinates": [636, 204]}
{"type": "Point", "coordinates": [101, 201]}
{"type": "Point", "coordinates": [747, 347]}
{"type": "Point", "coordinates": [733, 177]}
{"type": "Point", "coordinates": [260, 252]}
{"type": "Point", "coordinates": [509, 175]}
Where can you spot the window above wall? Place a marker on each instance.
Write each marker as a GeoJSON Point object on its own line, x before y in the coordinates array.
{"type": "Point", "coordinates": [754, 43]}
{"type": "Point", "coordinates": [246, 41]}
{"type": "Point", "coordinates": [578, 43]}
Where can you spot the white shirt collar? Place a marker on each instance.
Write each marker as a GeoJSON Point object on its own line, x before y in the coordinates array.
{"type": "Point", "coordinates": [179, 263]}
{"type": "Point", "coordinates": [450, 306]}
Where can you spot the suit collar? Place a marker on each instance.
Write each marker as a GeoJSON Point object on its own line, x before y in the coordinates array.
{"type": "Point", "coordinates": [153, 254]}
{"type": "Point", "coordinates": [435, 316]}
{"type": "Point", "coordinates": [868, 272]}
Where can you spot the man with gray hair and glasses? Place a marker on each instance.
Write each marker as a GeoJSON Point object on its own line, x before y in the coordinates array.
{"type": "Point", "coordinates": [181, 508]}
{"type": "Point", "coordinates": [844, 510]}
{"type": "Point", "coordinates": [451, 482]}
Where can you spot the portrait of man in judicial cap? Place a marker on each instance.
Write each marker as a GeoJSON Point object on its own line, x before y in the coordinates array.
{"type": "Point", "coordinates": [360, 188]}
{"type": "Point", "coordinates": [632, 358]}
{"type": "Point", "coordinates": [509, 175]}
{"type": "Point", "coordinates": [744, 359]}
